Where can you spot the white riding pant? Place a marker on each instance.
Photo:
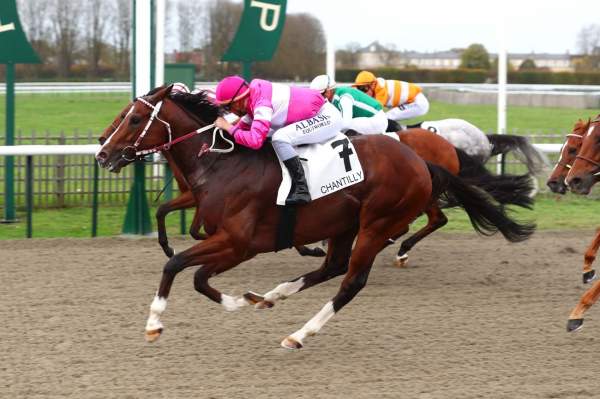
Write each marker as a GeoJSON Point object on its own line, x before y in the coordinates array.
{"type": "Point", "coordinates": [407, 111]}
{"type": "Point", "coordinates": [375, 124]}
{"type": "Point", "coordinates": [321, 127]}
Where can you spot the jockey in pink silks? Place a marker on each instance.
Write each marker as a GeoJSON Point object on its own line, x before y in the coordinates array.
{"type": "Point", "coordinates": [289, 115]}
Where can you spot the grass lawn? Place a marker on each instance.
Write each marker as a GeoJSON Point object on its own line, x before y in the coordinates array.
{"type": "Point", "coordinates": [65, 111]}
{"type": "Point", "coordinates": [550, 213]}
{"type": "Point", "coordinates": [94, 111]}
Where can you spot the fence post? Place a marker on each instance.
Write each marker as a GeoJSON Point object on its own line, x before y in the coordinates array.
{"type": "Point", "coordinates": [95, 201]}
{"type": "Point", "coordinates": [60, 174]}
{"type": "Point", "coordinates": [9, 162]}
{"type": "Point", "coordinates": [29, 195]}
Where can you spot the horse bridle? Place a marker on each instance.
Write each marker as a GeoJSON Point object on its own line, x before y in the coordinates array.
{"type": "Point", "coordinates": [131, 152]}
{"type": "Point", "coordinates": [595, 163]}
{"type": "Point", "coordinates": [560, 162]}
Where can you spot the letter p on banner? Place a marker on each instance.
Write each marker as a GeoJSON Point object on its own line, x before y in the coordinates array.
{"type": "Point", "coordinates": [259, 31]}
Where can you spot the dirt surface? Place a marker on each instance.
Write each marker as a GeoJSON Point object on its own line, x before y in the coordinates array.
{"type": "Point", "coordinates": [471, 317]}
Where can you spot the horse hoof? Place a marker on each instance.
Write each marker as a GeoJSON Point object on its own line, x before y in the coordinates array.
{"type": "Point", "coordinates": [153, 335]}
{"type": "Point", "coordinates": [402, 261]}
{"type": "Point", "coordinates": [574, 325]}
{"type": "Point", "coordinates": [318, 252]}
{"type": "Point", "coordinates": [253, 298]}
{"type": "Point", "coordinates": [291, 343]}
{"type": "Point", "coordinates": [589, 276]}
{"type": "Point", "coordinates": [264, 305]}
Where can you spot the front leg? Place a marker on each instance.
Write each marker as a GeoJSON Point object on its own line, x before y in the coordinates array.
{"type": "Point", "coordinates": [183, 201]}
{"type": "Point", "coordinates": [589, 274]}
{"type": "Point", "coordinates": [216, 254]}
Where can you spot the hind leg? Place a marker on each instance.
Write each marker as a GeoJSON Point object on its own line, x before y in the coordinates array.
{"type": "Point", "coordinates": [372, 238]}
{"type": "Point", "coordinates": [589, 274]}
{"type": "Point", "coordinates": [435, 220]}
{"type": "Point", "coordinates": [361, 261]}
{"type": "Point", "coordinates": [334, 265]}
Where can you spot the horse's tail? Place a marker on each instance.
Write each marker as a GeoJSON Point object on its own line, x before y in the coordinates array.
{"type": "Point", "coordinates": [506, 189]}
{"type": "Point", "coordinates": [535, 160]}
{"type": "Point", "coordinates": [486, 216]}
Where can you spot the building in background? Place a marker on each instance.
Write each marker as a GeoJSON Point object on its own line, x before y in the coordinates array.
{"type": "Point", "coordinates": [376, 55]}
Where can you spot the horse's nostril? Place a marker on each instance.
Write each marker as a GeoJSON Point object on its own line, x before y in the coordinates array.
{"type": "Point", "coordinates": [101, 156]}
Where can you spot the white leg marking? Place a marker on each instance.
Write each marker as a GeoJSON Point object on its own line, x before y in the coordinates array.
{"type": "Point", "coordinates": [232, 303]}
{"type": "Point", "coordinates": [157, 307]}
{"type": "Point", "coordinates": [402, 257]}
{"type": "Point", "coordinates": [315, 324]}
{"type": "Point", "coordinates": [284, 290]}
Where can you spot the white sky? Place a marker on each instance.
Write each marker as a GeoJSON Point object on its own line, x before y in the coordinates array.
{"type": "Point", "coordinates": [432, 25]}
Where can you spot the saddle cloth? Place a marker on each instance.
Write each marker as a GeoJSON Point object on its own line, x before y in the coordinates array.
{"type": "Point", "coordinates": [329, 167]}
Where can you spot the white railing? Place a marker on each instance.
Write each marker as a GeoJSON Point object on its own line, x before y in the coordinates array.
{"type": "Point", "coordinates": [125, 87]}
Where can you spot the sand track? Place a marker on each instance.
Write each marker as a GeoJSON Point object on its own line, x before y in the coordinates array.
{"type": "Point", "coordinates": [470, 318]}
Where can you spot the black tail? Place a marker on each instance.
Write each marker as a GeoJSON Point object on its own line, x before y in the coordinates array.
{"type": "Point", "coordinates": [535, 160]}
{"type": "Point", "coordinates": [506, 189]}
{"type": "Point", "coordinates": [486, 217]}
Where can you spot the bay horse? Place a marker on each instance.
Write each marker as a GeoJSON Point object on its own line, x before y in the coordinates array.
{"type": "Point", "coordinates": [556, 183]}
{"type": "Point", "coordinates": [433, 148]}
{"type": "Point", "coordinates": [184, 200]}
{"type": "Point", "coordinates": [237, 188]}
{"type": "Point", "coordinates": [584, 173]}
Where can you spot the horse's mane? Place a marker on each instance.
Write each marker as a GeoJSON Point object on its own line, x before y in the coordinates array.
{"type": "Point", "coordinates": [581, 125]}
{"type": "Point", "coordinates": [198, 105]}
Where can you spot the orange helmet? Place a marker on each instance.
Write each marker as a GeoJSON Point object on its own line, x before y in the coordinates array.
{"type": "Point", "coordinates": [364, 78]}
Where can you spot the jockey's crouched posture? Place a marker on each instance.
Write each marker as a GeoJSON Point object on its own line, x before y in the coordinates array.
{"type": "Point", "coordinates": [404, 100]}
{"type": "Point", "coordinates": [289, 115]}
{"type": "Point", "coordinates": [360, 112]}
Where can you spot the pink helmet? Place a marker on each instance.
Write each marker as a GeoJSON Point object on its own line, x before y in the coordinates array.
{"type": "Point", "coordinates": [230, 89]}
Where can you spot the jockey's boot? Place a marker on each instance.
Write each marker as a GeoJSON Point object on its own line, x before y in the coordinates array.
{"type": "Point", "coordinates": [299, 193]}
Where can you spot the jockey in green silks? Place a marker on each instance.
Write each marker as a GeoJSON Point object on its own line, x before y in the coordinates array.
{"type": "Point", "coordinates": [360, 112]}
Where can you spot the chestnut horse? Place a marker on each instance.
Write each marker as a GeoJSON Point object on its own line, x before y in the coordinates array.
{"type": "Point", "coordinates": [584, 173]}
{"type": "Point", "coordinates": [556, 182]}
{"type": "Point", "coordinates": [237, 188]}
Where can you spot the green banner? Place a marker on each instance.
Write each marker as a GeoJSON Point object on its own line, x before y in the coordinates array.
{"type": "Point", "coordinates": [259, 31]}
{"type": "Point", "coordinates": [14, 46]}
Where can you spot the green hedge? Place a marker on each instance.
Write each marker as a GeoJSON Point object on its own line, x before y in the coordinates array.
{"type": "Point", "coordinates": [475, 76]}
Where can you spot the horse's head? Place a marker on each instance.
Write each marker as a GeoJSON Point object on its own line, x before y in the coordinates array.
{"type": "Point", "coordinates": [133, 131]}
{"type": "Point", "coordinates": [586, 168]}
{"type": "Point", "coordinates": [570, 149]}
{"type": "Point", "coordinates": [115, 124]}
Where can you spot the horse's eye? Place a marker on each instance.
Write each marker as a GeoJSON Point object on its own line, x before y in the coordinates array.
{"type": "Point", "coordinates": [101, 140]}
{"type": "Point", "coordinates": [135, 119]}
{"type": "Point", "coordinates": [572, 151]}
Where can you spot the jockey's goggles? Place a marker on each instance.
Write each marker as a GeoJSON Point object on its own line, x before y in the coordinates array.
{"type": "Point", "coordinates": [227, 107]}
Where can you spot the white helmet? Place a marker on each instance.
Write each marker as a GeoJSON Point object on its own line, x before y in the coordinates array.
{"type": "Point", "coordinates": [322, 83]}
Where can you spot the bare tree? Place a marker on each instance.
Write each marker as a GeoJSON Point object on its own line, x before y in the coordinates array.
{"type": "Point", "coordinates": [588, 43]}
{"type": "Point", "coordinates": [64, 17]}
{"type": "Point", "coordinates": [301, 51]}
{"type": "Point", "coordinates": [349, 56]}
{"type": "Point", "coordinates": [33, 15]}
{"type": "Point", "coordinates": [122, 34]}
{"type": "Point", "coordinates": [588, 39]}
{"type": "Point", "coordinates": [97, 14]}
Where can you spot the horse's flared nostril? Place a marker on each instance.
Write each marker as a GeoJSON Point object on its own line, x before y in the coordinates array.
{"type": "Point", "coordinates": [101, 157]}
